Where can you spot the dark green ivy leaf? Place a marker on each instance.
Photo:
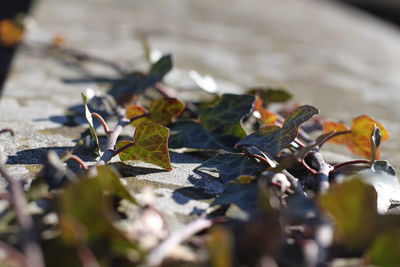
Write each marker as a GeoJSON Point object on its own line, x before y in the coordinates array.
{"type": "Point", "coordinates": [271, 95]}
{"type": "Point", "coordinates": [273, 139]}
{"type": "Point", "coordinates": [227, 114]}
{"type": "Point", "coordinates": [189, 134]}
{"type": "Point", "coordinates": [229, 166]}
{"type": "Point", "coordinates": [87, 214]}
{"type": "Point", "coordinates": [245, 196]}
{"type": "Point", "coordinates": [159, 69]}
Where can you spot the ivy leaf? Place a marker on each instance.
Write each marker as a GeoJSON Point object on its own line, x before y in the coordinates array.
{"type": "Point", "coordinates": [273, 139]}
{"type": "Point", "coordinates": [352, 204]}
{"type": "Point", "coordinates": [90, 212]}
{"type": "Point", "coordinates": [382, 177]}
{"type": "Point", "coordinates": [361, 130]}
{"type": "Point", "coordinates": [331, 126]}
{"type": "Point", "coordinates": [110, 182]}
{"type": "Point", "coordinates": [159, 69]}
{"type": "Point", "coordinates": [189, 134]}
{"type": "Point", "coordinates": [386, 250]}
{"type": "Point", "coordinates": [245, 196]}
{"type": "Point", "coordinates": [220, 247]}
{"type": "Point", "coordinates": [164, 110]}
{"type": "Point", "coordinates": [359, 138]}
{"type": "Point", "coordinates": [228, 111]}
{"type": "Point", "coordinates": [150, 145]}
{"type": "Point", "coordinates": [271, 95]}
{"type": "Point", "coordinates": [229, 166]}
{"type": "Point", "coordinates": [89, 119]}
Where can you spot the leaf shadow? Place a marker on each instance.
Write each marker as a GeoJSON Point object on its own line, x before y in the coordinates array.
{"type": "Point", "coordinates": [36, 155]}
{"type": "Point", "coordinates": [127, 170]}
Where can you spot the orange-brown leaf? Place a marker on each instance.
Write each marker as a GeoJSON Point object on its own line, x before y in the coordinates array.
{"type": "Point", "coordinates": [361, 130]}
{"type": "Point", "coordinates": [10, 32]}
{"type": "Point", "coordinates": [267, 117]}
{"type": "Point", "coordinates": [133, 110]}
{"type": "Point", "coordinates": [330, 126]}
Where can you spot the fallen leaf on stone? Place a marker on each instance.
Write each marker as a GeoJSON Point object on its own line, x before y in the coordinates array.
{"type": "Point", "coordinates": [150, 145]}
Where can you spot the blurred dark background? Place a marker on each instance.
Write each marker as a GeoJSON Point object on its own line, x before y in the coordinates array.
{"type": "Point", "coordinates": [388, 10]}
{"type": "Point", "coordinates": [9, 9]}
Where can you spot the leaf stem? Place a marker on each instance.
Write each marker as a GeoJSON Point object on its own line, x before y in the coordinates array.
{"type": "Point", "coordinates": [351, 162]}
{"type": "Point", "coordinates": [32, 249]}
{"type": "Point", "coordinates": [334, 135]}
{"type": "Point", "coordinates": [109, 153]}
{"type": "Point", "coordinates": [139, 116]}
{"type": "Point", "coordinates": [102, 121]}
{"type": "Point", "coordinates": [157, 256]}
{"type": "Point", "coordinates": [119, 150]}
{"type": "Point", "coordinates": [165, 91]}
{"type": "Point", "coordinates": [79, 161]}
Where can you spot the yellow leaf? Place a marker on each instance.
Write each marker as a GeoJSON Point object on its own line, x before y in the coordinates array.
{"type": "Point", "coordinates": [361, 130]}
{"type": "Point", "coordinates": [358, 140]}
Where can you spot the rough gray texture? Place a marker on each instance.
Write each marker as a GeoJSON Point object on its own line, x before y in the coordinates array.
{"type": "Point", "coordinates": [343, 62]}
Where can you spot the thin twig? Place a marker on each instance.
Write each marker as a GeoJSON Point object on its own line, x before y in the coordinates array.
{"type": "Point", "coordinates": [7, 130]}
{"type": "Point", "coordinates": [165, 91]}
{"type": "Point", "coordinates": [79, 161]}
{"type": "Point", "coordinates": [157, 256]}
{"type": "Point", "coordinates": [102, 121]}
{"type": "Point", "coordinates": [32, 249]}
{"type": "Point", "coordinates": [348, 163]}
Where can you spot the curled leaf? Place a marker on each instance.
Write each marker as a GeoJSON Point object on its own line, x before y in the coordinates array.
{"type": "Point", "coordinates": [88, 117]}
{"type": "Point", "coordinates": [150, 145]}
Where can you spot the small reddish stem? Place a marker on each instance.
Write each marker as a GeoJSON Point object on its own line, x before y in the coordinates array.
{"type": "Point", "coordinates": [308, 168]}
{"type": "Point", "coordinates": [262, 159]}
{"type": "Point", "coordinates": [7, 130]}
{"type": "Point", "coordinates": [334, 135]}
{"type": "Point", "coordinates": [119, 150]}
{"type": "Point", "coordinates": [349, 163]}
{"type": "Point", "coordinates": [165, 91]}
{"type": "Point", "coordinates": [79, 161]}
{"type": "Point", "coordinates": [102, 121]}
